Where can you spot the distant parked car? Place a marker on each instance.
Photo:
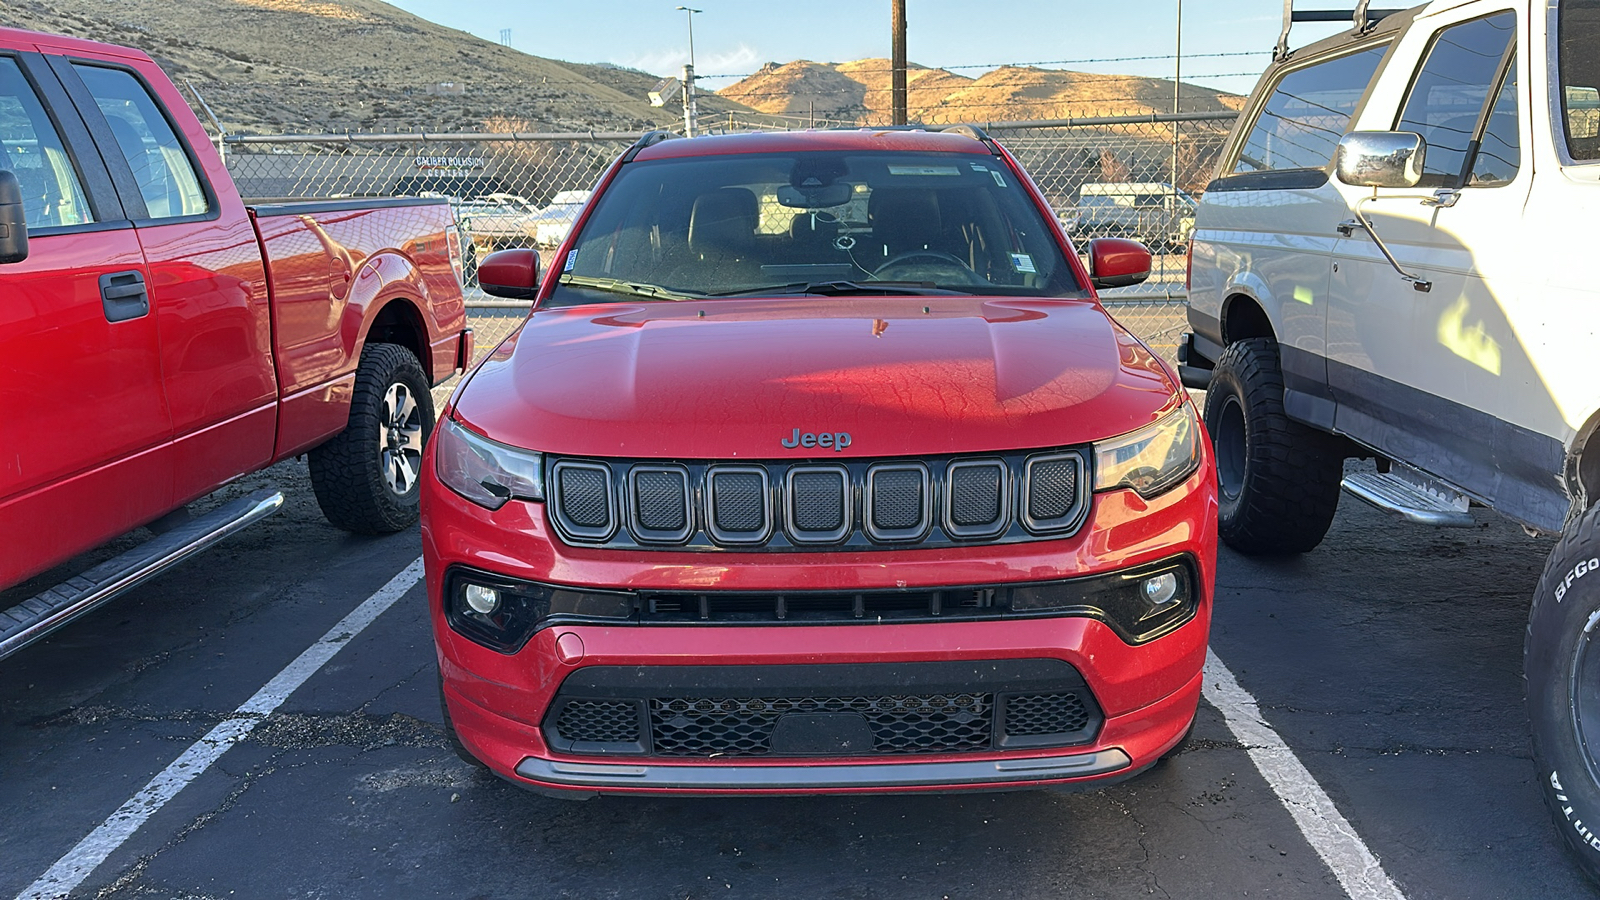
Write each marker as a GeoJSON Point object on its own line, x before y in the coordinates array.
{"type": "Point", "coordinates": [1151, 211]}
{"type": "Point", "coordinates": [552, 224]}
{"type": "Point", "coordinates": [498, 220]}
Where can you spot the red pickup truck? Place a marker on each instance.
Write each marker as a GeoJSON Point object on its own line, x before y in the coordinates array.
{"type": "Point", "coordinates": [160, 338]}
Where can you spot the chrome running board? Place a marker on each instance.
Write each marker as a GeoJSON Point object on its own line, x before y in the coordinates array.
{"type": "Point", "coordinates": [1412, 495]}
{"type": "Point", "coordinates": [43, 613]}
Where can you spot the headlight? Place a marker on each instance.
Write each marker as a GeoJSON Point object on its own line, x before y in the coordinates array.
{"type": "Point", "coordinates": [483, 471]}
{"type": "Point", "coordinates": [1151, 459]}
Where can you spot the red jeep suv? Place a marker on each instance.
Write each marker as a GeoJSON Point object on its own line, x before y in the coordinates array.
{"type": "Point", "coordinates": [818, 467]}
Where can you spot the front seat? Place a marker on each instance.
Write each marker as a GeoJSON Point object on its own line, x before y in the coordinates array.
{"type": "Point", "coordinates": [722, 240]}
{"type": "Point", "coordinates": [903, 220]}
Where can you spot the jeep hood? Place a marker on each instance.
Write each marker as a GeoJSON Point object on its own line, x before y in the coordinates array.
{"type": "Point", "coordinates": [721, 379]}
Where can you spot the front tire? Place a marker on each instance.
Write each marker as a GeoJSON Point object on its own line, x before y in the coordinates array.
{"type": "Point", "coordinates": [366, 477]}
{"type": "Point", "coordinates": [1561, 665]}
{"type": "Point", "coordinates": [1277, 479]}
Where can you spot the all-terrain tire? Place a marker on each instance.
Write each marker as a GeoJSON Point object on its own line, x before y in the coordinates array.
{"type": "Point", "coordinates": [1277, 479]}
{"type": "Point", "coordinates": [1561, 665]}
{"type": "Point", "coordinates": [366, 477]}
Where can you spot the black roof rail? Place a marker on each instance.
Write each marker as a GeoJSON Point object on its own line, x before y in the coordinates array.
{"type": "Point", "coordinates": [1361, 19]}
{"type": "Point", "coordinates": [646, 140]}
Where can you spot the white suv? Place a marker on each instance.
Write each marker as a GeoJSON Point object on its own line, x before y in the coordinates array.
{"type": "Point", "coordinates": [1392, 263]}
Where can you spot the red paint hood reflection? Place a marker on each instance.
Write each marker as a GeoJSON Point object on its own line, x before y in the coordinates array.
{"type": "Point", "coordinates": [732, 378]}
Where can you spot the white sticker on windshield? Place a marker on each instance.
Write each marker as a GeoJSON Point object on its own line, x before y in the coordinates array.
{"type": "Point", "coordinates": [998, 178]}
{"type": "Point", "coordinates": [572, 259]}
{"type": "Point", "coordinates": [1022, 262]}
{"type": "Point", "coordinates": [924, 170]}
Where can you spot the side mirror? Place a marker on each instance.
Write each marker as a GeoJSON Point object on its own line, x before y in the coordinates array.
{"type": "Point", "coordinates": [1380, 159]}
{"type": "Point", "coordinates": [13, 224]}
{"type": "Point", "coordinates": [510, 273]}
{"type": "Point", "coordinates": [1117, 262]}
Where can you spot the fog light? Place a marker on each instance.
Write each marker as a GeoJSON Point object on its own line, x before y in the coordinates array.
{"type": "Point", "coordinates": [1160, 590]}
{"type": "Point", "coordinates": [486, 600]}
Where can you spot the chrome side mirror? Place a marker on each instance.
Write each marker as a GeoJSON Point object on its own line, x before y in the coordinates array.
{"type": "Point", "coordinates": [13, 224]}
{"type": "Point", "coordinates": [1380, 159]}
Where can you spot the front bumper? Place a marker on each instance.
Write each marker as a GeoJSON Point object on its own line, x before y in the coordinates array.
{"type": "Point", "coordinates": [499, 702]}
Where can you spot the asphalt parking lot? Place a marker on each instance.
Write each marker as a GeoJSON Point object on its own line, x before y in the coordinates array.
{"type": "Point", "coordinates": [1388, 662]}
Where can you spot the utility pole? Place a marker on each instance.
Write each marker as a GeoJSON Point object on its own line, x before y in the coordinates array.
{"type": "Point", "coordinates": [691, 112]}
{"type": "Point", "coordinates": [897, 24]}
{"type": "Point", "coordinates": [1177, 89]}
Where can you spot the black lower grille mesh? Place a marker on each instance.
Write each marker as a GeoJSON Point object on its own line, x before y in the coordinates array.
{"type": "Point", "coordinates": [600, 721]}
{"type": "Point", "coordinates": [932, 723]}
{"type": "Point", "coordinates": [1032, 714]}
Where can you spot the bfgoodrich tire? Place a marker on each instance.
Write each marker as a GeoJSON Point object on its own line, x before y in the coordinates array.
{"type": "Point", "coordinates": [1561, 663]}
{"type": "Point", "coordinates": [1277, 480]}
{"type": "Point", "coordinates": [365, 477]}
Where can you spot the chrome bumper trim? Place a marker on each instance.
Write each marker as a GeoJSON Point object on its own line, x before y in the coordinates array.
{"type": "Point", "coordinates": [722, 777]}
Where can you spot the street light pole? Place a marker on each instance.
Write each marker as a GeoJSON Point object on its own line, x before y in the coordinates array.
{"type": "Point", "coordinates": [690, 110]}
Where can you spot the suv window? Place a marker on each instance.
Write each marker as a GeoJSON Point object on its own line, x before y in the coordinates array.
{"type": "Point", "coordinates": [160, 165]}
{"type": "Point", "coordinates": [1578, 61]}
{"type": "Point", "coordinates": [1301, 123]}
{"type": "Point", "coordinates": [1460, 71]}
{"type": "Point", "coordinates": [31, 149]}
{"type": "Point", "coordinates": [746, 224]}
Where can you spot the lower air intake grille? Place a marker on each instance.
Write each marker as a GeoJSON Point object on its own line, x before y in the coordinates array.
{"type": "Point", "coordinates": [1038, 714]}
{"type": "Point", "coordinates": [600, 721]}
{"type": "Point", "coordinates": [934, 723]}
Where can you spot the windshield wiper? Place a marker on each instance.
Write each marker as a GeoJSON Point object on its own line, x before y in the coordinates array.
{"type": "Point", "coordinates": [846, 289]}
{"type": "Point", "coordinates": [629, 288]}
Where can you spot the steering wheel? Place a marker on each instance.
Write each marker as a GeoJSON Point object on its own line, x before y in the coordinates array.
{"type": "Point", "coordinates": [918, 260]}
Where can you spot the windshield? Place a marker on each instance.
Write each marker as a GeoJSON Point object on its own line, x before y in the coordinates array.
{"type": "Point", "coordinates": [822, 222]}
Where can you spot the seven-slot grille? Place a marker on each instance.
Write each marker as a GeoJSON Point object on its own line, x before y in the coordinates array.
{"type": "Point", "coordinates": [855, 504]}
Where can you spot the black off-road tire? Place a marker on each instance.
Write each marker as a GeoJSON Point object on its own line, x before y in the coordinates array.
{"type": "Point", "coordinates": [1277, 479]}
{"type": "Point", "coordinates": [1561, 665]}
{"type": "Point", "coordinates": [352, 473]}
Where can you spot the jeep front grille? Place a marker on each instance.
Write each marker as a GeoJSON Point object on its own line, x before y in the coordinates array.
{"type": "Point", "coordinates": [849, 504]}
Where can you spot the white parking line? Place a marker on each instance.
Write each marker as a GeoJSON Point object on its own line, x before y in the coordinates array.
{"type": "Point", "coordinates": [70, 870]}
{"type": "Point", "coordinates": [1358, 871]}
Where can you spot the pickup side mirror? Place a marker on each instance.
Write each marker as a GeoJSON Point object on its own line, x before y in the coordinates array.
{"type": "Point", "coordinates": [1117, 262]}
{"type": "Point", "coordinates": [13, 224]}
{"type": "Point", "coordinates": [510, 273]}
{"type": "Point", "coordinates": [1380, 159]}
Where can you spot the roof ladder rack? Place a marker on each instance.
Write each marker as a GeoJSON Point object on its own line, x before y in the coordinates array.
{"type": "Point", "coordinates": [1361, 19]}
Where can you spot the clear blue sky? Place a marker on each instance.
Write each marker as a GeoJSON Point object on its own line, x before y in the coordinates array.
{"type": "Point", "coordinates": [735, 37]}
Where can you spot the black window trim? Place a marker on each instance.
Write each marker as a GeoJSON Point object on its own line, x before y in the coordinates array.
{"type": "Point", "coordinates": [1305, 177]}
{"type": "Point", "coordinates": [1506, 56]}
{"type": "Point", "coordinates": [97, 184]}
{"type": "Point", "coordinates": [116, 162]}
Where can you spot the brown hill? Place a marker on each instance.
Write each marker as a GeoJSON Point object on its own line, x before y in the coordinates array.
{"type": "Point", "coordinates": [359, 65]}
{"type": "Point", "coordinates": [859, 92]}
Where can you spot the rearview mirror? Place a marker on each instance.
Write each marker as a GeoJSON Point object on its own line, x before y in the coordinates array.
{"type": "Point", "coordinates": [13, 223]}
{"type": "Point", "coordinates": [820, 197]}
{"type": "Point", "coordinates": [1380, 159]}
{"type": "Point", "coordinates": [513, 274]}
{"type": "Point", "coordinates": [1117, 262]}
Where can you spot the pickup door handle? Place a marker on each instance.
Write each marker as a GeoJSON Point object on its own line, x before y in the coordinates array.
{"type": "Point", "coordinates": [1347, 227]}
{"type": "Point", "coordinates": [124, 296]}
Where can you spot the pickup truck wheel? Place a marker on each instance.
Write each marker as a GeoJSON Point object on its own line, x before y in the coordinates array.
{"type": "Point", "coordinates": [1561, 665]}
{"type": "Point", "coordinates": [1277, 480]}
{"type": "Point", "coordinates": [365, 477]}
